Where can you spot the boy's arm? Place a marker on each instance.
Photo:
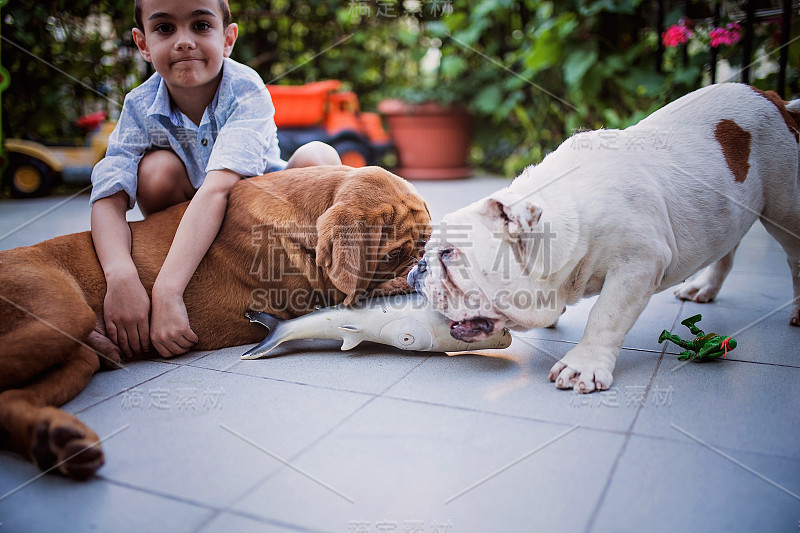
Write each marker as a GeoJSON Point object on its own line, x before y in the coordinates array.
{"type": "Point", "coordinates": [170, 331]}
{"type": "Point", "coordinates": [247, 142]}
{"type": "Point", "coordinates": [126, 306]}
{"type": "Point", "coordinates": [127, 144]}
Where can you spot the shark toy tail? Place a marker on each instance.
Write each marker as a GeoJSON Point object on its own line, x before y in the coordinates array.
{"type": "Point", "coordinates": [273, 338]}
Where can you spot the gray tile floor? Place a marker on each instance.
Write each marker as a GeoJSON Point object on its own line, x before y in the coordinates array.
{"type": "Point", "coordinates": [375, 440]}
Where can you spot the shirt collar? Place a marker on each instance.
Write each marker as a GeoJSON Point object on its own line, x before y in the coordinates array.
{"type": "Point", "coordinates": [162, 104]}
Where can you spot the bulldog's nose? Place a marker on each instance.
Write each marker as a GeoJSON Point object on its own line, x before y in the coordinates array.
{"type": "Point", "coordinates": [417, 273]}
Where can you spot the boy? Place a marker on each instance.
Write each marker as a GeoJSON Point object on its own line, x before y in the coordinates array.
{"type": "Point", "coordinates": [189, 132]}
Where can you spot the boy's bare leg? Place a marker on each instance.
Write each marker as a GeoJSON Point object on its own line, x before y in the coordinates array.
{"type": "Point", "coordinates": [313, 154]}
{"type": "Point", "coordinates": [163, 182]}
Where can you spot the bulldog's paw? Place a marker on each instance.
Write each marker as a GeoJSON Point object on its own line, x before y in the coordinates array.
{"type": "Point", "coordinates": [794, 316]}
{"type": "Point", "coordinates": [699, 290]}
{"type": "Point", "coordinates": [555, 322]}
{"type": "Point", "coordinates": [63, 443]}
{"type": "Point", "coordinates": [583, 371]}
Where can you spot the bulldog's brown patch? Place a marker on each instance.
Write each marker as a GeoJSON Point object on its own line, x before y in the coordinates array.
{"type": "Point", "coordinates": [792, 118]}
{"type": "Point", "coordinates": [735, 143]}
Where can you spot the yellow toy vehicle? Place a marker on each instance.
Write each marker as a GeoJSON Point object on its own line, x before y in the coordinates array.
{"type": "Point", "coordinates": [35, 168]}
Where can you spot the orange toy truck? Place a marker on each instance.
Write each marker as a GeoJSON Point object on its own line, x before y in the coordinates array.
{"type": "Point", "coordinates": [318, 111]}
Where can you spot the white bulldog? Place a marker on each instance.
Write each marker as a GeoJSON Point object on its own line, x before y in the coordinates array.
{"type": "Point", "coordinates": [624, 214]}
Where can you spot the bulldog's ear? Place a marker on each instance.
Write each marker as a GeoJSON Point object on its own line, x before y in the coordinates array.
{"type": "Point", "coordinates": [347, 248]}
{"type": "Point", "coordinates": [517, 212]}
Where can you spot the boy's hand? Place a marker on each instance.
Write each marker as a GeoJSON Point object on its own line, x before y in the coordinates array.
{"type": "Point", "coordinates": [126, 305]}
{"type": "Point", "coordinates": [126, 311]}
{"type": "Point", "coordinates": [169, 322]}
{"type": "Point", "coordinates": [170, 331]}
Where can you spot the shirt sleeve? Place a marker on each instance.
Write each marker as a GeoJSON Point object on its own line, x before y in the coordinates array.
{"type": "Point", "coordinates": [247, 143]}
{"type": "Point", "coordinates": [118, 170]}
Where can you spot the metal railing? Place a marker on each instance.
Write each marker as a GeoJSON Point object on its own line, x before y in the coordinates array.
{"type": "Point", "coordinates": [748, 16]}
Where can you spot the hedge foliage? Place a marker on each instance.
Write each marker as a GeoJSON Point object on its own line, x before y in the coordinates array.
{"type": "Point", "coordinates": [531, 71]}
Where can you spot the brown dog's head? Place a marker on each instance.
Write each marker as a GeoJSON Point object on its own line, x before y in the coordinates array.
{"type": "Point", "coordinates": [372, 234]}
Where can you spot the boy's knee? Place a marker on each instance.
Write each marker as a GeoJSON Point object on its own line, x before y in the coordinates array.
{"type": "Point", "coordinates": [313, 154]}
{"type": "Point", "coordinates": [160, 171]}
{"type": "Point", "coordinates": [162, 181]}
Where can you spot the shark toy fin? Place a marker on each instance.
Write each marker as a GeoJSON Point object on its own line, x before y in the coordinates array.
{"type": "Point", "coordinates": [265, 319]}
{"type": "Point", "coordinates": [271, 341]}
{"type": "Point", "coordinates": [350, 341]}
{"type": "Point", "coordinates": [350, 336]}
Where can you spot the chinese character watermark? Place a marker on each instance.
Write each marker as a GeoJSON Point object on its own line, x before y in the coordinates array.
{"type": "Point", "coordinates": [635, 396]}
{"type": "Point", "coordinates": [631, 140]}
{"type": "Point", "coordinates": [404, 526]}
{"type": "Point", "coordinates": [181, 398]}
{"type": "Point", "coordinates": [391, 9]}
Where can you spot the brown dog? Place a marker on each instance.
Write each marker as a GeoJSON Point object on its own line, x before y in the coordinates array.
{"type": "Point", "coordinates": [290, 241]}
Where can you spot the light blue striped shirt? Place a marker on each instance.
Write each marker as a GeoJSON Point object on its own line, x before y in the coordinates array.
{"type": "Point", "coordinates": [237, 133]}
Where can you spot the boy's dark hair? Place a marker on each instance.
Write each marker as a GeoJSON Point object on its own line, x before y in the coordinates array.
{"type": "Point", "coordinates": [223, 6]}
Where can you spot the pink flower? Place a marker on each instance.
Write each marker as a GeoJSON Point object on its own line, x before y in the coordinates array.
{"type": "Point", "coordinates": [729, 35]}
{"type": "Point", "coordinates": [734, 32]}
{"type": "Point", "coordinates": [718, 37]}
{"type": "Point", "coordinates": [676, 34]}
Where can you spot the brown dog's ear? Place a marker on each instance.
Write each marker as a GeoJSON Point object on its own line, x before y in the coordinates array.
{"type": "Point", "coordinates": [348, 246]}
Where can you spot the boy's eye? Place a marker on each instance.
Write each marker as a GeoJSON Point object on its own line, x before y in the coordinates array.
{"type": "Point", "coordinates": [163, 28]}
{"type": "Point", "coordinates": [202, 26]}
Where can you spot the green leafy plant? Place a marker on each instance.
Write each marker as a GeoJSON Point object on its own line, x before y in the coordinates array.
{"type": "Point", "coordinates": [532, 72]}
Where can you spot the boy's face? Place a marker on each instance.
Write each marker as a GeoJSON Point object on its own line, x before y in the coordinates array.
{"type": "Point", "coordinates": [185, 41]}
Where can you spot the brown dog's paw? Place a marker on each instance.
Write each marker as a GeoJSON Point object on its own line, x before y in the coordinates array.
{"type": "Point", "coordinates": [108, 352]}
{"type": "Point", "coordinates": [64, 444]}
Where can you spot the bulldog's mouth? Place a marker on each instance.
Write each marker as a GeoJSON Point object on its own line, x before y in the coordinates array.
{"type": "Point", "coordinates": [472, 329]}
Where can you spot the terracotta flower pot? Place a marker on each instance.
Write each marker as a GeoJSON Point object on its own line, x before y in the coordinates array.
{"type": "Point", "coordinates": [432, 140]}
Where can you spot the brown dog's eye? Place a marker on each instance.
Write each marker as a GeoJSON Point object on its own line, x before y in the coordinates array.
{"type": "Point", "coordinates": [394, 254]}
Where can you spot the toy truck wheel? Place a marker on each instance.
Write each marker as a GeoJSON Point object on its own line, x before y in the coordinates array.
{"type": "Point", "coordinates": [28, 177]}
{"type": "Point", "coordinates": [354, 154]}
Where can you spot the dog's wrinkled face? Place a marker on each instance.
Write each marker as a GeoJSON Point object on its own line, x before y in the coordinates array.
{"type": "Point", "coordinates": [367, 244]}
{"type": "Point", "coordinates": [490, 265]}
{"type": "Point", "coordinates": [401, 246]}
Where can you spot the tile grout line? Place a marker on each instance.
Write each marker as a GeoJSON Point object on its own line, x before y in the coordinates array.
{"type": "Point", "coordinates": [495, 413]}
{"type": "Point", "coordinates": [675, 440]}
{"type": "Point", "coordinates": [588, 428]}
{"type": "Point", "coordinates": [126, 389]}
{"type": "Point", "coordinates": [280, 380]}
{"type": "Point", "coordinates": [423, 402]}
{"type": "Point", "coordinates": [210, 507]}
{"type": "Point", "coordinates": [444, 405]}
{"type": "Point", "coordinates": [628, 434]}
{"type": "Point", "coordinates": [313, 443]}
{"type": "Point", "coordinates": [629, 348]}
